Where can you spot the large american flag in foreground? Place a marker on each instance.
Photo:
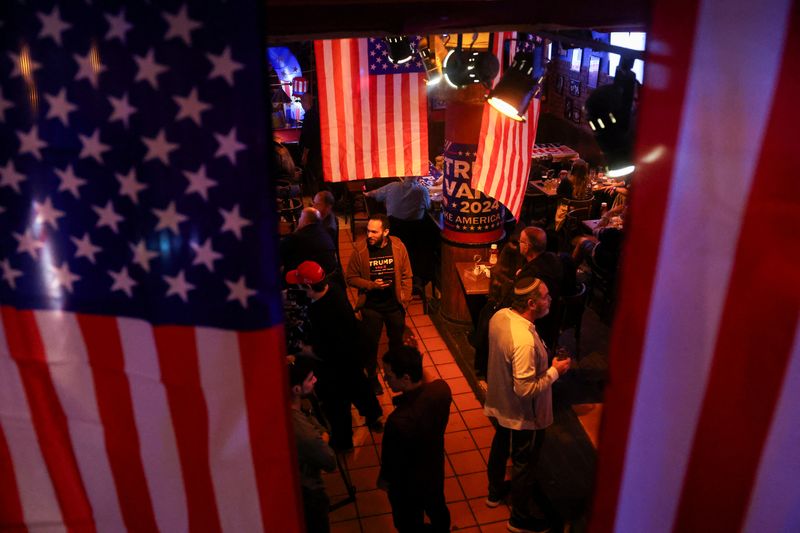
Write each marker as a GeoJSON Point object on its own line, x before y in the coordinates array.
{"type": "Point", "coordinates": [701, 429]}
{"type": "Point", "coordinates": [503, 158]}
{"type": "Point", "coordinates": [373, 114]}
{"type": "Point", "coordinates": [141, 368]}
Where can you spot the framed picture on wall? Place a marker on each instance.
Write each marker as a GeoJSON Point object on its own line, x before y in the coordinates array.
{"type": "Point", "coordinates": [568, 105]}
{"type": "Point", "coordinates": [574, 88]}
{"type": "Point", "coordinates": [594, 70]}
{"type": "Point", "coordinates": [560, 85]}
{"type": "Point", "coordinates": [576, 114]}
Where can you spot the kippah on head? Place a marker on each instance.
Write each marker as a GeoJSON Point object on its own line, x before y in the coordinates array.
{"type": "Point", "coordinates": [525, 286]}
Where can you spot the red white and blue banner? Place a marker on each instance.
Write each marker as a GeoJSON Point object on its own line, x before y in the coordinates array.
{"type": "Point", "coordinates": [373, 113]}
{"type": "Point", "coordinates": [142, 373]}
{"type": "Point", "coordinates": [701, 421]}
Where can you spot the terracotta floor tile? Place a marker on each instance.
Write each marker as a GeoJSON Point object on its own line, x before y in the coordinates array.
{"type": "Point", "coordinates": [442, 357]}
{"type": "Point", "coordinates": [427, 332]}
{"type": "Point", "coordinates": [377, 438]}
{"type": "Point", "coordinates": [483, 436]}
{"type": "Point", "coordinates": [453, 407]}
{"type": "Point", "coordinates": [460, 441]}
{"type": "Point", "coordinates": [362, 457]}
{"type": "Point", "coordinates": [422, 320]}
{"type": "Point", "coordinates": [448, 470]}
{"type": "Point", "coordinates": [497, 527]}
{"type": "Point", "coordinates": [475, 418]}
{"type": "Point", "coordinates": [461, 515]}
{"type": "Point", "coordinates": [474, 485]}
{"type": "Point", "coordinates": [467, 462]}
{"type": "Point", "coordinates": [415, 309]}
{"type": "Point", "coordinates": [470, 530]}
{"type": "Point", "coordinates": [467, 401]}
{"type": "Point", "coordinates": [364, 479]}
{"type": "Point", "coordinates": [429, 373]}
{"type": "Point", "coordinates": [361, 436]}
{"type": "Point", "coordinates": [458, 385]}
{"type": "Point", "coordinates": [373, 502]}
{"type": "Point", "coordinates": [485, 454]}
{"type": "Point", "coordinates": [449, 370]}
{"type": "Point", "coordinates": [487, 515]}
{"type": "Point", "coordinates": [346, 512]}
{"type": "Point", "coordinates": [378, 524]}
{"type": "Point", "coordinates": [334, 485]}
{"type": "Point", "coordinates": [455, 423]}
{"type": "Point", "coordinates": [434, 344]}
{"type": "Point", "coordinates": [351, 526]}
{"type": "Point", "coordinates": [426, 360]}
{"type": "Point", "coordinates": [452, 490]}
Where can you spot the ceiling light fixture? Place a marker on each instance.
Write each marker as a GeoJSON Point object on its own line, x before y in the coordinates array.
{"type": "Point", "coordinates": [432, 71]}
{"type": "Point", "coordinates": [512, 94]}
{"type": "Point", "coordinates": [463, 67]}
{"type": "Point", "coordinates": [400, 50]}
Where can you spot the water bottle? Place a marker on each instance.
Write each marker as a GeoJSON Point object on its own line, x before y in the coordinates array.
{"type": "Point", "coordinates": [493, 255]}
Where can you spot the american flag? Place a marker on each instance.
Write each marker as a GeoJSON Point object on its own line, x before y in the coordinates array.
{"type": "Point", "coordinates": [373, 113]}
{"type": "Point", "coordinates": [498, 49]}
{"type": "Point", "coordinates": [503, 158]}
{"type": "Point", "coordinates": [141, 352]}
{"type": "Point", "coordinates": [701, 425]}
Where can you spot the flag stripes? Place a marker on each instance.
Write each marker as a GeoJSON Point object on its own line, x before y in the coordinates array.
{"type": "Point", "coordinates": [688, 381]}
{"type": "Point", "coordinates": [89, 411]}
{"type": "Point", "coordinates": [503, 158]}
{"type": "Point", "coordinates": [373, 124]}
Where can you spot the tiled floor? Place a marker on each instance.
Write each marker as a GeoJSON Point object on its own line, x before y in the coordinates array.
{"type": "Point", "coordinates": [467, 444]}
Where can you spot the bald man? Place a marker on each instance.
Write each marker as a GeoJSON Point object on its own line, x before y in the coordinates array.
{"type": "Point", "coordinates": [310, 242]}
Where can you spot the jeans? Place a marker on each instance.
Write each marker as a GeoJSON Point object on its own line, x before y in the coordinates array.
{"type": "Point", "coordinates": [372, 323]}
{"type": "Point", "coordinates": [524, 447]}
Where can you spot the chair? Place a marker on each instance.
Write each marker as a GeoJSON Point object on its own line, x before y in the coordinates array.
{"type": "Point", "coordinates": [572, 226]}
{"type": "Point", "coordinates": [289, 211]}
{"type": "Point", "coordinates": [357, 206]}
{"type": "Point", "coordinates": [571, 310]}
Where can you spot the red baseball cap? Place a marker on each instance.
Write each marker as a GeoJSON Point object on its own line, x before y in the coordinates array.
{"type": "Point", "coordinates": [306, 273]}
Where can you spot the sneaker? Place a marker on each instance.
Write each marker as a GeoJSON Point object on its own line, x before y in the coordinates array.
{"type": "Point", "coordinates": [492, 503]}
{"type": "Point", "coordinates": [493, 500]}
{"type": "Point", "coordinates": [533, 526]}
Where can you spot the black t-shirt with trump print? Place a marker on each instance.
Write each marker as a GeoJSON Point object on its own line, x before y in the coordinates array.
{"type": "Point", "coordinates": [381, 267]}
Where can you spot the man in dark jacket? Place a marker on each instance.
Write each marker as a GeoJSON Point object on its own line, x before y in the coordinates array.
{"type": "Point", "coordinates": [335, 341]}
{"type": "Point", "coordinates": [412, 458]}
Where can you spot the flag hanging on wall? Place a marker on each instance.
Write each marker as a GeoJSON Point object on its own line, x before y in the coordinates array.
{"type": "Point", "coordinates": [141, 352]}
{"type": "Point", "coordinates": [700, 429]}
{"type": "Point", "coordinates": [373, 113]}
{"type": "Point", "coordinates": [503, 158]}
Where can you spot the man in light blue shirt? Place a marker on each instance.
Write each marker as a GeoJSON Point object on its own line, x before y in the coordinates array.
{"type": "Point", "coordinates": [405, 200]}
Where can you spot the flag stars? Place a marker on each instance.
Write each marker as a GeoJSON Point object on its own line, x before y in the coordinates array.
{"type": "Point", "coordinates": [24, 65]}
{"type": "Point", "coordinates": [169, 218]}
{"type": "Point", "coordinates": [228, 145]}
{"type": "Point", "coordinates": [108, 217]}
{"type": "Point", "coordinates": [10, 275]}
{"type": "Point", "coordinates": [85, 248]}
{"type": "Point", "coordinates": [239, 291]}
{"type": "Point", "coordinates": [9, 177]}
{"type": "Point", "coordinates": [29, 244]}
{"type": "Point", "coordinates": [69, 181]}
{"type": "Point", "coordinates": [89, 66]}
{"type": "Point", "coordinates": [46, 213]}
{"type": "Point", "coordinates": [148, 68]}
{"type": "Point", "coordinates": [52, 25]}
{"type": "Point", "coordinates": [199, 182]}
{"type": "Point", "coordinates": [122, 109]}
{"type": "Point", "coordinates": [178, 286]}
{"type": "Point", "coordinates": [142, 256]}
{"type": "Point", "coordinates": [92, 147]}
{"type": "Point", "coordinates": [159, 147]}
{"type": "Point", "coordinates": [30, 143]}
{"type": "Point", "coordinates": [63, 277]}
{"type": "Point", "coordinates": [117, 26]}
{"type": "Point", "coordinates": [60, 107]}
{"type": "Point", "coordinates": [122, 281]}
{"type": "Point", "coordinates": [191, 107]}
{"type": "Point", "coordinates": [223, 66]}
{"type": "Point", "coordinates": [233, 222]}
{"type": "Point", "coordinates": [205, 255]}
{"type": "Point", "coordinates": [128, 186]}
{"type": "Point", "coordinates": [181, 26]}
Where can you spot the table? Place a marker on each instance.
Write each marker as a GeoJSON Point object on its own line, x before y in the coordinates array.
{"type": "Point", "coordinates": [472, 286]}
{"type": "Point", "coordinates": [539, 184]}
{"type": "Point", "coordinates": [553, 151]}
{"type": "Point", "coordinates": [593, 223]}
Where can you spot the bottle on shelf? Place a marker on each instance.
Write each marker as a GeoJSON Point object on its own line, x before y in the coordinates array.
{"type": "Point", "coordinates": [493, 255]}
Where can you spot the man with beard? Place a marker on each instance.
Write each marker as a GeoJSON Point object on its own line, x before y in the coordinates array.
{"type": "Point", "coordinates": [519, 400]}
{"type": "Point", "coordinates": [313, 454]}
{"type": "Point", "coordinates": [381, 272]}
